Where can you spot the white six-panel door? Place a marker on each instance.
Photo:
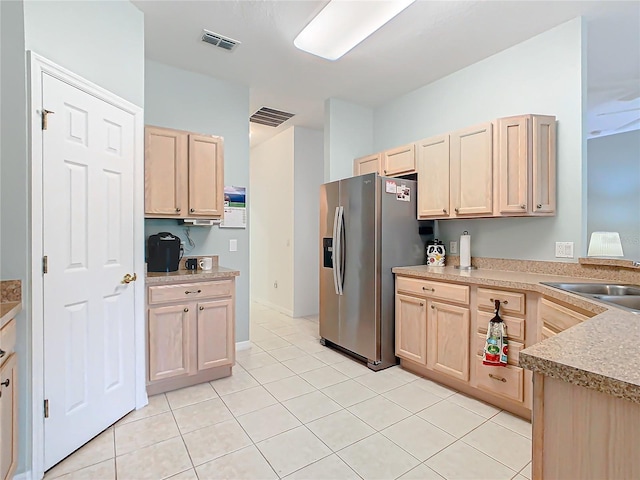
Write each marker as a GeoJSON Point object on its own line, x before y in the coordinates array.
{"type": "Point", "coordinates": [89, 351]}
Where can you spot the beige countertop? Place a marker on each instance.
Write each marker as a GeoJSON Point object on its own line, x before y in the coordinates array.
{"type": "Point", "coordinates": [217, 272]}
{"type": "Point", "coordinates": [8, 310]}
{"type": "Point", "coordinates": [601, 353]}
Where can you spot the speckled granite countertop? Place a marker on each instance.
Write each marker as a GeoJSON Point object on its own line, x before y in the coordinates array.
{"type": "Point", "coordinates": [10, 300]}
{"type": "Point", "coordinates": [159, 278]}
{"type": "Point", "coordinates": [602, 353]}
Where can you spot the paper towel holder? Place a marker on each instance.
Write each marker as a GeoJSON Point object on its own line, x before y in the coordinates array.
{"type": "Point", "coordinates": [468, 267]}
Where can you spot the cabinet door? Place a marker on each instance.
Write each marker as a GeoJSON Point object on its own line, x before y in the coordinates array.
{"type": "Point", "coordinates": [411, 328]}
{"type": "Point", "coordinates": [8, 418]}
{"type": "Point", "coordinates": [165, 169]}
{"type": "Point", "coordinates": [513, 164]}
{"type": "Point", "coordinates": [368, 164]}
{"type": "Point", "coordinates": [206, 176]}
{"type": "Point", "coordinates": [472, 171]}
{"type": "Point", "coordinates": [170, 341]}
{"type": "Point", "coordinates": [448, 339]}
{"type": "Point", "coordinates": [399, 161]}
{"type": "Point", "coordinates": [544, 164]}
{"type": "Point", "coordinates": [433, 176]}
{"type": "Point", "coordinates": [216, 338]}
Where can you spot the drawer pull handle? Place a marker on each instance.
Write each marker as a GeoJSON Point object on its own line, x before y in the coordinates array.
{"type": "Point", "coordinates": [504, 302]}
{"type": "Point", "coordinates": [444, 210]}
{"type": "Point", "coordinates": [2, 353]}
{"type": "Point", "coordinates": [187, 292]}
{"type": "Point", "coordinates": [433, 307]}
{"type": "Point", "coordinates": [186, 310]}
{"type": "Point", "coordinates": [495, 377]}
{"type": "Point", "coordinates": [201, 307]}
{"type": "Point", "coordinates": [428, 289]}
{"type": "Point", "coordinates": [5, 383]}
{"type": "Point", "coordinates": [421, 304]}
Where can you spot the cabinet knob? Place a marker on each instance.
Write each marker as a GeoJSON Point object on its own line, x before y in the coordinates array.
{"type": "Point", "coordinates": [421, 304]}
{"type": "Point", "coordinates": [2, 353]}
{"type": "Point", "coordinates": [178, 209]}
{"type": "Point", "coordinates": [432, 307]}
{"type": "Point", "coordinates": [539, 206]}
{"type": "Point", "coordinates": [5, 383]}
{"type": "Point", "coordinates": [385, 171]}
{"type": "Point", "coordinates": [444, 210]}
{"type": "Point", "coordinates": [523, 206]}
{"type": "Point", "coordinates": [192, 210]}
{"type": "Point", "coordinates": [456, 210]}
{"type": "Point", "coordinates": [201, 307]}
{"type": "Point", "coordinates": [186, 310]}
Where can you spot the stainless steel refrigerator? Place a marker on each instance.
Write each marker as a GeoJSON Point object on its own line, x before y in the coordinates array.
{"type": "Point", "coordinates": [368, 226]}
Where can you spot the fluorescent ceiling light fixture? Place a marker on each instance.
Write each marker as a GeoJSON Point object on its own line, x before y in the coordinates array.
{"type": "Point", "coordinates": [343, 24]}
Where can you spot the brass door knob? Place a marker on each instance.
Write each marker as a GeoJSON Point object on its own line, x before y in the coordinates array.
{"type": "Point", "coordinates": [128, 278]}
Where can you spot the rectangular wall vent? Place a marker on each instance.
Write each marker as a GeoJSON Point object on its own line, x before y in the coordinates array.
{"type": "Point", "coordinates": [219, 41]}
{"type": "Point", "coordinates": [271, 117]}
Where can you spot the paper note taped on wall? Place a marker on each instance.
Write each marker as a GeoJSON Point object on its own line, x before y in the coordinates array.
{"type": "Point", "coordinates": [403, 193]}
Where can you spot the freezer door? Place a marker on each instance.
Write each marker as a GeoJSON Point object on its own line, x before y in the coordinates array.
{"type": "Point", "coordinates": [329, 300]}
{"type": "Point", "coordinates": [359, 316]}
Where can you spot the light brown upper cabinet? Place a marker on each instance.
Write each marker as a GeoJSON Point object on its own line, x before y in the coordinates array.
{"type": "Point", "coordinates": [184, 174]}
{"type": "Point", "coordinates": [368, 164]}
{"type": "Point", "coordinates": [472, 171]}
{"type": "Point", "coordinates": [390, 163]}
{"type": "Point", "coordinates": [399, 161]}
{"type": "Point", "coordinates": [527, 165]}
{"type": "Point", "coordinates": [455, 174]}
{"type": "Point", "coordinates": [433, 175]}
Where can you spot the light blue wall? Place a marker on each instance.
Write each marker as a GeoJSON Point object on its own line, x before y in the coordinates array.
{"type": "Point", "coordinates": [102, 41]}
{"type": "Point", "coordinates": [184, 100]}
{"type": "Point", "coordinates": [613, 202]}
{"type": "Point", "coordinates": [542, 75]}
{"type": "Point", "coordinates": [14, 199]}
{"type": "Point", "coordinates": [348, 134]}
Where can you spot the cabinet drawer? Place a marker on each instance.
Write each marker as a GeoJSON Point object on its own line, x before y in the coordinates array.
{"type": "Point", "coordinates": [513, 356]}
{"type": "Point", "coordinates": [515, 325]}
{"type": "Point", "coordinates": [426, 288]}
{"type": "Point", "coordinates": [190, 291]}
{"type": "Point", "coordinates": [8, 340]}
{"type": "Point", "coordinates": [557, 317]}
{"type": "Point", "coordinates": [510, 302]}
{"type": "Point", "coordinates": [505, 381]}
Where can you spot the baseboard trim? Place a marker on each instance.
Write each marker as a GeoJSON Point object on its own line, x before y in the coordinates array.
{"type": "Point", "coordinates": [23, 476]}
{"type": "Point", "coordinates": [246, 345]}
{"type": "Point", "coordinates": [273, 306]}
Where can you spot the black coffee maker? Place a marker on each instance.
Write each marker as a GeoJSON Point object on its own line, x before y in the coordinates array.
{"type": "Point", "coordinates": [163, 252]}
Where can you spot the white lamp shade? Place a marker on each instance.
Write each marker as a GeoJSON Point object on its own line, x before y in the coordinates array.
{"type": "Point", "coordinates": [605, 244]}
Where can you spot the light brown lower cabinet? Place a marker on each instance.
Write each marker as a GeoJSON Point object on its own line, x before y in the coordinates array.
{"type": "Point", "coordinates": [411, 328]}
{"type": "Point", "coordinates": [581, 433]}
{"type": "Point", "coordinates": [448, 339]}
{"type": "Point", "coordinates": [8, 401]}
{"type": "Point", "coordinates": [191, 333]}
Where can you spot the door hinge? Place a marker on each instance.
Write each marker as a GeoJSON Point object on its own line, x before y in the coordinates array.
{"type": "Point", "coordinates": [45, 113]}
{"type": "Point", "coordinates": [45, 264]}
{"type": "Point", "coordinates": [46, 408]}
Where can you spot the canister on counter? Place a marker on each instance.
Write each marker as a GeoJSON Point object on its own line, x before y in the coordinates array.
{"type": "Point", "coordinates": [435, 253]}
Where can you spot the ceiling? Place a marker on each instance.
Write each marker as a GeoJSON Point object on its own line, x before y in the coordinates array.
{"type": "Point", "coordinates": [427, 41]}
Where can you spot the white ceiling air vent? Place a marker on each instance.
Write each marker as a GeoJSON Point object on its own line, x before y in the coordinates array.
{"type": "Point", "coordinates": [270, 117]}
{"type": "Point", "coordinates": [219, 41]}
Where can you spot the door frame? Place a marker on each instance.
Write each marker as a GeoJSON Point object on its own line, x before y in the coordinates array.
{"type": "Point", "coordinates": [37, 65]}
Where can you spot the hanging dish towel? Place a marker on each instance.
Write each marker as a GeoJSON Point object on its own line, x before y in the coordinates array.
{"type": "Point", "coordinates": [496, 346]}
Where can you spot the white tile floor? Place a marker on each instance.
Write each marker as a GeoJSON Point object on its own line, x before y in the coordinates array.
{"type": "Point", "coordinates": [297, 410]}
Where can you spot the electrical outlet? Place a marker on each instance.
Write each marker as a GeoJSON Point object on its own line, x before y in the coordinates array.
{"type": "Point", "coordinates": [275, 284]}
{"type": "Point", "coordinates": [564, 249]}
{"type": "Point", "coordinates": [233, 245]}
{"type": "Point", "coordinates": [453, 247]}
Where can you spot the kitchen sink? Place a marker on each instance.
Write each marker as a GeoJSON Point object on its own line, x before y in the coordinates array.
{"type": "Point", "coordinates": [598, 288]}
{"type": "Point", "coordinates": [623, 296]}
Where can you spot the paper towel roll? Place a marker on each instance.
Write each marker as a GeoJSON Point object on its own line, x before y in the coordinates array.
{"type": "Point", "coordinates": [465, 250]}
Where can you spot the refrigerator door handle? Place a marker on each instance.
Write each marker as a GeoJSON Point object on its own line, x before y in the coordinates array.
{"type": "Point", "coordinates": [340, 252]}
{"type": "Point", "coordinates": [334, 254]}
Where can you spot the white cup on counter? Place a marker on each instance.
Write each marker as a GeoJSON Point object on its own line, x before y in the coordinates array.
{"type": "Point", "coordinates": [206, 263]}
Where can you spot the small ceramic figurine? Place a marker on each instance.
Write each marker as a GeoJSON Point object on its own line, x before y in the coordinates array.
{"type": "Point", "coordinates": [435, 253]}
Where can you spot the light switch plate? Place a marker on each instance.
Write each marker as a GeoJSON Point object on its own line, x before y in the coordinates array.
{"type": "Point", "coordinates": [233, 245]}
